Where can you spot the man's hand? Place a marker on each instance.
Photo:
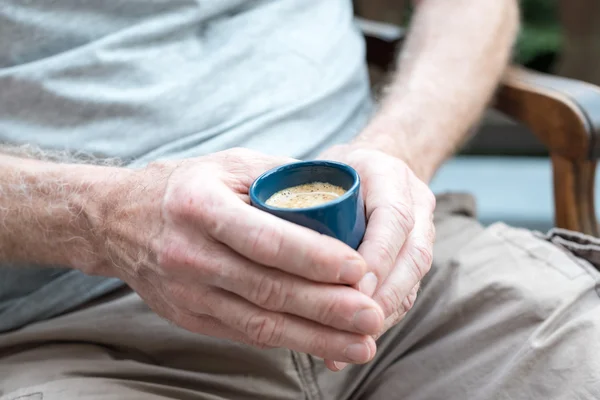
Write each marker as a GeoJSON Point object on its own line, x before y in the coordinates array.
{"type": "Point", "coordinates": [399, 239]}
{"type": "Point", "coordinates": [185, 238]}
{"type": "Point", "coordinates": [448, 70]}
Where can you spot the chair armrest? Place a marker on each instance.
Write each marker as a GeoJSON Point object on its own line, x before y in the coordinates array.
{"type": "Point", "coordinates": [565, 115]}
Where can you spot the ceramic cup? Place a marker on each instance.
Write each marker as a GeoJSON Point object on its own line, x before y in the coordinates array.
{"type": "Point", "coordinates": [342, 218]}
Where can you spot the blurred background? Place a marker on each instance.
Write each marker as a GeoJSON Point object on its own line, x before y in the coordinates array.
{"type": "Point", "coordinates": [504, 166]}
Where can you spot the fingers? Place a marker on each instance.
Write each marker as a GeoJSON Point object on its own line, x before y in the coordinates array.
{"type": "Point", "coordinates": [390, 322]}
{"type": "Point", "coordinates": [217, 211]}
{"type": "Point", "coordinates": [280, 330]}
{"type": "Point", "coordinates": [390, 221]}
{"type": "Point", "coordinates": [268, 240]}
{"type": "Point", "coordinates": [165, 307]}
{"type": "Point", "coordinates": [210, 326]}
{"type": "Point", "coordinates": [335, 365]}
{"type": "Point", "coordinates": [414, 260]}
{"type": "Point", "coordinates": [336, 306]}
{"type": "Point", "coordinates": [401, 312]}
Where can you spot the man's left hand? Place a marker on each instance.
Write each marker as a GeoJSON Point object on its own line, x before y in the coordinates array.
{"type": "Point", "coordinates": [398, 242]}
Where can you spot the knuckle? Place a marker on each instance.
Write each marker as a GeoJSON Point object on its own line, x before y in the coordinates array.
{"type": "Point", "coordinates": [409, 302]}
{"type": "Point", "coordinates": [395, 307]}
{"type": "Point", "coordinates": [265, 329]}
{"type": "Point", "coordinates": [399, 316]}
{"type": "Point", "coordinates": [383, 255]}
{"type": "Point", "coordinates": [321, 259]}
{"type": "Point", "coordinates": [395, 318]}
{"type": "Point", "coordinates": [392, 320]}
{"type": "Point", "coordinates": [390, 301]}
{"type": "Point", "coordinates": [402, 218]}
{"type": "Point", "coordinates": [415, 289]}
{"type": "Point", "coordinates": [330, 309]}
{"type": "Point", "coordinates": [270, 293]}
{"type": "Point", "coordinates": [181, 202]}
{"type": "Point", "coordinates": [213, 216]}
{"type": "Point", "coordinates": [318, 343]}
{"type": "Point", "coordinates": [265, 242]}
{"type": "Point", "coordinates": [172, 253]}
{"type": "Point", "coordinates": [185, 205]}
{"type": "Point", "coordinates": [178, 257]}
{"type": "Point", "coordinates": [421, 258]}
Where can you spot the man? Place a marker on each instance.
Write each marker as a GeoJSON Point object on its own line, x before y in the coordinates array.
{"type": "Point", "coordinates": [265, 309]}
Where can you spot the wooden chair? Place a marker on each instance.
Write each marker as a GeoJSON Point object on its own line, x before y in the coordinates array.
{"type": "Point", "coordinates": [563, 113]}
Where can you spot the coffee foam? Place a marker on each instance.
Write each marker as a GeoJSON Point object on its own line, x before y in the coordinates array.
{"type": "Point", "coordinates": [305, 196]}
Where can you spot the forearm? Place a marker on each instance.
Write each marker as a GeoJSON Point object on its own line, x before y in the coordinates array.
{"type": "Point", "coordinates": [50, 212]}
{"type": "Point", "coordinates": [451, 63]}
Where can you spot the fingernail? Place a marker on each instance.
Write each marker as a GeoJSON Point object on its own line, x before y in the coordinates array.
{"type": "Point", "coordinates": [368, 284]}
{"type": "Point", "coordinates": [358, 352]}
{"type": "Point", "coordinates": [367, 321]}
{"type": "Point", "coordinates": [340, 365]}
{"type": "Point", "coordinates": [351, 271]}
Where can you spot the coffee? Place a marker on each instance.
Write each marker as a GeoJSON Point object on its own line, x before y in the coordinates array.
{"type": "Point", "coordinates": [305, 196]}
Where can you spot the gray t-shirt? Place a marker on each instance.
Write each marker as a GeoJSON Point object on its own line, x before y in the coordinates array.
{"type": "Point", "coordinates": [164, 79]}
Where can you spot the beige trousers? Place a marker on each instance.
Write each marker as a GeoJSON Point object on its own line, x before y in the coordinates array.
{"type": "Point", "coordinates": [503, 314]}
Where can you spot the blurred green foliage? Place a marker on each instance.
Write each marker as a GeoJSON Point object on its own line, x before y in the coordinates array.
{"type": "Point", "coordinates": [540, 34]}
{"type": "Point", "coordinates": [540, 38]}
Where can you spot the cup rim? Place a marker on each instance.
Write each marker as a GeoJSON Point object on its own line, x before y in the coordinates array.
{"type": "Point", "coordinates": [347, 168]}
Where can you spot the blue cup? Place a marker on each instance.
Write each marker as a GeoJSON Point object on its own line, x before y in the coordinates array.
{"type": "Point", "coordinates": [342, 218]}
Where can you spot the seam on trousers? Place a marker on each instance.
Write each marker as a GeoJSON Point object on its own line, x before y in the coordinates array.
{"type": "Point", "coordinates": [586, 267]}
{"type": "Point", "coordinates": [305, 369]}
{"type": "Point", "coordinates": [312, 377]}
{"type": "Point", "coordinates": [583, 246]}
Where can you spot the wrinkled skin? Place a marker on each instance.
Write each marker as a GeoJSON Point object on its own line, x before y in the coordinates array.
{"type": "Point", "coordinates": [185, 238]}
{"type": "Point", "coordinates": [398, 243]}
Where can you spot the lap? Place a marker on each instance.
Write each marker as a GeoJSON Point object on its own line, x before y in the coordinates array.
{"type": "Point", "coordinates": [118, 349]}
{"type": "Point", "coordinates": [502, 314]}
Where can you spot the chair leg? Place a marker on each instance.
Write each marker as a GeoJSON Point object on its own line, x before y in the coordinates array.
{"type": "Point", "coordinates": [574, 195]}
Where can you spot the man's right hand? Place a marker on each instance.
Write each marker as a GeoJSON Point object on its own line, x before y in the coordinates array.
{"type": "Point", "coordinates": [183, 235]}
